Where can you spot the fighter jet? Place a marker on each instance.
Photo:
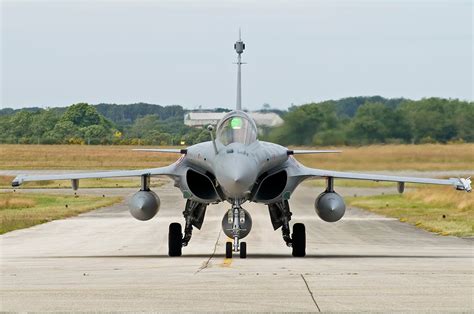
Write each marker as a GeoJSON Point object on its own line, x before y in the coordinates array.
{"type": "Point", "coordinates": [236, 167]}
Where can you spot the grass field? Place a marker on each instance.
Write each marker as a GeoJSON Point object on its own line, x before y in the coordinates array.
{"type": "Point", "coordinates": [79, 157]}
{"type": "Point", "coordinates": [396, 157]}
{"type": "Point", "coordinates": [5, 183]}
{"type": "Point", "coordinates": [424, 207]}
{"type": "Point", "coordinates": [377, 157]}
{"type": "Point", "coordinates": [437, 209]}
{"type": "Point", "coordinates": [18, 210]}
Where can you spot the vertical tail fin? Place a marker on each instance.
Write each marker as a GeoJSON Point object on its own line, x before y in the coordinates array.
{"type": "Point", "coordinates": [239, 47]}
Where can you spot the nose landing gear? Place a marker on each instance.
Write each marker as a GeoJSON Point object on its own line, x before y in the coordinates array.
{"type": "Point", "coordinates": [242, 250]}
{"type": "Point", "coordinates": [236, 224]}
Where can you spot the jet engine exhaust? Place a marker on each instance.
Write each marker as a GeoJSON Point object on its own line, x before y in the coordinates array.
{"type": "Point", "coordinates": [144, 205]}
{"type": "Point", "coordinates": [330, 206]}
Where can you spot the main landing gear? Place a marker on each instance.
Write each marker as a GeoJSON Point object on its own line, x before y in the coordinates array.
{"type": "Point", "coordinates": [236, 225]}
{"type": "Point", "coordinates": [280, 216]}
{"type": "Point", "coordinates": [193, 213]}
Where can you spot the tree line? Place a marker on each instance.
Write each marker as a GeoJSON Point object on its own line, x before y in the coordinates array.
{"type": "Point", "coordinates": [372, 120]}
{"type": "Point", "coordinates": [137, 124]}
{"type": "Point", "coordinates": [348, 121]}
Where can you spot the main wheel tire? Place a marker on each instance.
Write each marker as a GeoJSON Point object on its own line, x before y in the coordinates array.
{"type": "Point", "coordinates": [228, 250]}
{"type": "Point", "coordinates": [243, 249]}
{"type": "Point", "coordinates": [299, 240]}
{"type": "Point", "coordinates": [175, 237]}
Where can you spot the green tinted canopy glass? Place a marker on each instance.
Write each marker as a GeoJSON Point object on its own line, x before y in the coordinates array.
{"type": "Point", "coordinates": [237, 128]}
{"type": "Point", "coordinates": [236, 123]}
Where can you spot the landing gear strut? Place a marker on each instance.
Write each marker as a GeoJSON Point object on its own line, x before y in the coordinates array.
{"type": "Point", "coordinates": [280, 215]}
{"type": "Point", "coordinates": [193, 213]}
{"type": "Point", "coordinates": [236, 224]}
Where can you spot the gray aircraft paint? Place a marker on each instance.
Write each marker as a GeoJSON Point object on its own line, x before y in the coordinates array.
{"type": "Point", "coordinates": [236, 167]}
{"type": "Point", "coordinates": [237, 170]}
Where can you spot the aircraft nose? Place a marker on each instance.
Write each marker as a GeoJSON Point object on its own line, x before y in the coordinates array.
{"type": "Point", "coordinates": [236, 176]}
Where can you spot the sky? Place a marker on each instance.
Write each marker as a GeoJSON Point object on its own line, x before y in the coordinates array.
{"type": "Point", "coordinates": [56, 53]}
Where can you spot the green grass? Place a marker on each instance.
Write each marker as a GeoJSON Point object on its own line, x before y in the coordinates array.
{"type": "Point", "coordinates": [435, 209]}
{"type": "Point", "coordinates": [427, 157]}
{"type": "Point", "coordinates": [5, 183]}
{"type": "Point", "coordinates": [18, 210]}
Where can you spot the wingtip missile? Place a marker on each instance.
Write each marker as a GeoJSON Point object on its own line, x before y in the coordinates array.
{"type": "Point", "coordinates": [466, 184]}
{"type": "Point", "coordinates": [463, 184]}
{"type": "Point", "coordinates": [17, 181]}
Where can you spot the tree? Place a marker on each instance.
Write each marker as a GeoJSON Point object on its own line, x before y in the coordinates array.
{"type": "Point", "coordinates": [94, 132]}
{"type": "Point", "coordinates": [20, 124]}
{"type": "Point", "coordinates": [82, 115]}
{"type": "Point", "coordinates": [144, 125]}
{"type": "Point", "coordinates": [353, 120]}
{"type": "Point", "coordinates": [368, 125]}
{"type": "Point", "coordinates": [63, 131]}
{"type": "Point", "coordinates": [43, 121]}
{"type": "Point", "coordinates": [303, 122]}
{"type": "Point", "coordinates": [437, 118]}
{"type": "Point", "coordinates": [378, 123]}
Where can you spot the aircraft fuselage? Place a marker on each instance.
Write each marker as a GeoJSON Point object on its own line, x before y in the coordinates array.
{"type": "Point", "coordinates": [236, 166]}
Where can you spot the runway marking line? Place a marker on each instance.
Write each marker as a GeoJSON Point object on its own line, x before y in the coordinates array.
{"type": "Point", "coordinates": [227, 261]}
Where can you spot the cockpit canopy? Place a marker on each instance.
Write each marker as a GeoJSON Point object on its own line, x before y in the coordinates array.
{"type": "Point", "coordinates": [236, 127]}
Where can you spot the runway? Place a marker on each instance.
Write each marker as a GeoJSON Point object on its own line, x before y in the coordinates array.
{"type": "Point", "coordinates": [106, 260]}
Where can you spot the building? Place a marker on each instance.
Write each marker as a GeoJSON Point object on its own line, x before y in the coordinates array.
{"type": "Point", "coordinates": [202, 119]}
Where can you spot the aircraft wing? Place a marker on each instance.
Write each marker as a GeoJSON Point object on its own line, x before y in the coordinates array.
{"type": "Point", "coordinates": [162, 150]}
{"type": "Point", "coordinates": [304, 151]}
{"type": "Point", "coordinates": [458, 183]}
{"type": "Point", "coordinates": [168, 170]}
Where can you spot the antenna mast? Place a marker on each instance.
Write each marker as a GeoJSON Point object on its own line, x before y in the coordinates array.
{"type": "Point", "coordinates": [239, 47]}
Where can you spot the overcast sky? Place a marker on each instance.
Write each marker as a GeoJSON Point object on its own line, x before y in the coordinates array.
{"type": "Point", "coordinates": [181, 52]}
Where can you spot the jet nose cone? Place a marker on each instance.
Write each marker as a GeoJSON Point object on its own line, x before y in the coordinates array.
{"type": "Point", "coordinates": [236, 176]}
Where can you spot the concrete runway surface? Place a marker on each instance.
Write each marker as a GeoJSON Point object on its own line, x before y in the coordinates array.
{"type": "Point", "coordinates": [106, 260]}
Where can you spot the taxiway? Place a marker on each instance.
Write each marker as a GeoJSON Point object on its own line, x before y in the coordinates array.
{"type": "Point", "coordinates": [107, 261]}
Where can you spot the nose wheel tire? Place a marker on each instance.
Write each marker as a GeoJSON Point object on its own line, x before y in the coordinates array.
{"type": "Point", "coordinates": [228, 250]}
{"type": "Point", "coordinates": [175, 237]}
{"type": "Point", "coordinates": [299, 240]}
{"type": "Point", "coordinates": [243, 249]}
